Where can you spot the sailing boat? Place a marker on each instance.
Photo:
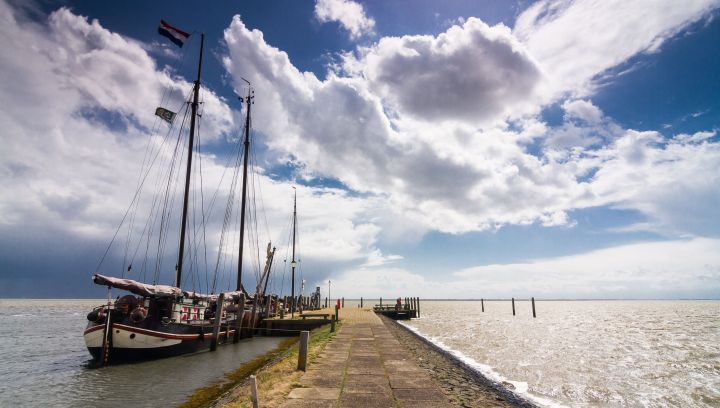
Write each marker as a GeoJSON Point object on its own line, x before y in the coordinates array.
{"type": "Point", "coordinates": [155, 321]}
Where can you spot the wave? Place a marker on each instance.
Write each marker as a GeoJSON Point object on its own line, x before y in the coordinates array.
{"type": "Point", "coordinates": [519, 388]}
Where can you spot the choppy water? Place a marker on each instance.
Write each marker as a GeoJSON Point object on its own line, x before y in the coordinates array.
{"type": "Point", "coordinates": [43, 362]}
{"type": "Point", "coordinates": [588, 353]}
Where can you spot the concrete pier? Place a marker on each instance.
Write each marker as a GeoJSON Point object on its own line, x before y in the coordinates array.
{"type": "Point", "coordinates": [365, 366]}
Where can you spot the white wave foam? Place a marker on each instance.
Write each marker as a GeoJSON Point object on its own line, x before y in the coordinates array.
{"type": "Point", "coordinates": [520, 387]}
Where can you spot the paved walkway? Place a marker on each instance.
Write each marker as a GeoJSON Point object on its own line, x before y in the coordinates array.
{"type": "Point", "coordinates": [365, 366]}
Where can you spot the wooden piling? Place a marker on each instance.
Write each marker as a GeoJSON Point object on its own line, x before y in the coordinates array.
{"type": "Point", "coordinates": [482, 305]}
{"type": "Point", "coordinates": [380, 302]}
{"type": "Point", "coordinates": [253, 391]}
{"type": "Point", "coordinates": [239, 316]}
{"type": "Point", "coordinates": [532, 300]}
{"type": "Point", "coordinates": [216, 323]}
{"type": "Point", "coordinates": [303, 350]}
{"type": "Point", "coordinates": [361, 302]}
{"type": "Point", "coordinates": [107, 337]}
{"type": "Point", "coordinates": [343, 302]}
{"type": "Point", "coordinates": [326, 302]}
{"type": "Point", "coordinates": [418, 307]}
{"type": "Point", "coordinates": [513, 305]}
{"type": "Point", "coordinates": [337, 313]}
{"type": "Point", "coordinates": [332, 323]}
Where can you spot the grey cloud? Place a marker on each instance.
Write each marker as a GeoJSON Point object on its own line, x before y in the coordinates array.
{"type": "Point", "coordinates": [471, 72]}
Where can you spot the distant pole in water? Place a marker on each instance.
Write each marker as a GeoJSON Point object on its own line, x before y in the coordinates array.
{"type": "Point", "coordinates": [361, 302]}
{"type": "Point", "coordinates": [380, 302]}
{"type": "Point", "coordinates": [482, 305]}
{"type": "Point", "coordinates": [513, 304]}
{"type": "Point", "coordinates": [532, 299]}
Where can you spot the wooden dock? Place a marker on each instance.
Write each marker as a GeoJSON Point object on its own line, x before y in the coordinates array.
{"type": "Point", "coordinates": [403, 309]}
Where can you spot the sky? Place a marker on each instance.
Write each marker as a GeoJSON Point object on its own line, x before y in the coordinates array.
{"type": "Point", "coordinates": [457, 149]}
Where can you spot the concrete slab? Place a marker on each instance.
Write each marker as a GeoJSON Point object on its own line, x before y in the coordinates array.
{"type": "Point", "coordinates": [409, 382]}
{"type": "Point", "coordinates": [315, 393]}
{"type": "Point", "coordinates": [366, 401]}
{"type": "Point", "coordinates": [366, 388]}
{"type": "Point", "coordinates": [367, 379]}
{"type": "Point", "coordinates": [304, 403]}
{"type": "Point", "coordinates": [419, 394]}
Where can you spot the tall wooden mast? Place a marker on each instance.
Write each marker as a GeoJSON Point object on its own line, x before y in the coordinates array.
{"type": "Point", "coordinates": [293, 263]}
{"type": "Point", "coordinates": [194, 108]}
{"type": "Point", "coordinates": [246, 153]}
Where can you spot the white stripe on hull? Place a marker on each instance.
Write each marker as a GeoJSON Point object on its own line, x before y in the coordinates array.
{"type": "Point", "coordinates": [129, 340]}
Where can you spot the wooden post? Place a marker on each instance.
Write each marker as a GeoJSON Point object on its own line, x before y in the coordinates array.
{"type": "Point", "coordinates": [337, 313]}
{"type": "Point", "coordinates": [343, 302]}
{"type": "Point", "coordinates": [107, 337]}
{"type": "Point", "coordinates": [361, 301]}
{"type": "Point", "coordinates": [513, 304]}
{"type": "Point", "coordinates": [253, 391]}
{"type": "Point", "coordinates": [332, 323]}
{"type": "Point", "coordinates": [482, 305]}
{"type": "Point", "coordinates": [381, 302]}
{"type": "Point", "coordinates": [303, 350]}
{"type": "Point", "coordinates": [282, 309]}
{"type": "Point", "coordinates": [239, 316]}
{"type": "Point", "coordinates": [326, 302]}
{"type": "Point", "coordinates": [418, 306]}
{"type": "Point", "coordinates": [216, 323]}
{"type": "Point", "coordinates": [532, 299]}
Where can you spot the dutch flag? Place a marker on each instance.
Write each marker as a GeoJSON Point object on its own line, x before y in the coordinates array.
{"type": "Point", "coordinates": [175, 35]}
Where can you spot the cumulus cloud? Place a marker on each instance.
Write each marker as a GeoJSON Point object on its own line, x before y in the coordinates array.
{"type": "Point", "coordinates": [472, 72]}
{"type": "Point", "coordinates": [351, 16]}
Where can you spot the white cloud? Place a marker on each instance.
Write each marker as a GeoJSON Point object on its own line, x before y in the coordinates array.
{"type": "Point", "coordinates": [350, 14]}
{"type": "Point", "coordinates": [574, 41]}
{"type": "Point", "coordinates": [646, 270]}
{"type": "Point", "coordinates": [472, 73]}
{"type": "Point", "coordinates": [583, 110]}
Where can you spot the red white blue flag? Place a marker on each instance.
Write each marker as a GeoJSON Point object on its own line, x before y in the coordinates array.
{"type": "Point", "coordinates": [175, 35]}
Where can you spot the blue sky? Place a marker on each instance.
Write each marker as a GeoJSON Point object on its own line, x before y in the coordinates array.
{"type": "Point", "coordinates": [458, 149]}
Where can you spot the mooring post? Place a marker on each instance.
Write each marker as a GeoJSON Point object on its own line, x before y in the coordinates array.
{"type": "Point", "coordinates": [337, 312]}
{"type": "Point", "coordinates": [343, 302]}
{"type": "Point", "coordinates": [418, 306]}
{"type": "Point", "coordinates": [107, 337]}
{"type": "Point", "coordinates": [332, 323]}
{"type": "Point", "coordinates": [239, 316]}
{"type": "Point", "coordinates": [381, 303]}
{"type": "Point", "coordinates": [326, 302]}
{"type": "Point", "coordinates": [532, 300]}
{"type": "Point", "coordinates": [513, 304]}
{"type": "Point", "coordinates": [217, 322]}
{"type": "Point", "coordinates": [482, 305]}
{"type": "Point", "coordinates": [361, 302]}
{"type": "Point", "coordinates": [303, 350]}
{"type": "Point", "coordinates": [253, 391]}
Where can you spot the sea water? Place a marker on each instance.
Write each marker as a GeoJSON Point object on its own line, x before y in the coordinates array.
{"type": "Point", "coordinates": [587, 353]}
{"type": "Point", "coordinates": [44, 362]}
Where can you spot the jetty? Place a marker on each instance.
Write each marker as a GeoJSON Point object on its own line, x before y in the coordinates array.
{"type": "Point", "coordinates": [365, 366]}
